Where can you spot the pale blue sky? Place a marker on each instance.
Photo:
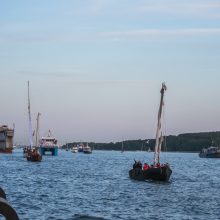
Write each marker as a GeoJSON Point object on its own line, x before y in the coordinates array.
{"type": "Point", "coordinates": [96, 66]}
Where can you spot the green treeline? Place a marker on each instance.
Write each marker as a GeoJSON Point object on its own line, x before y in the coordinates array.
{"type": "Point", "coordinates": [189, 142]}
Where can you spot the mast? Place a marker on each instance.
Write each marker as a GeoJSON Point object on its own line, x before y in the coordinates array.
{"type": "Point", "coordinates": [37, 129]}
{"type": "Point", "coordinates": [29, 118]}
{"type": "Point", "coordinates": [159, 138]}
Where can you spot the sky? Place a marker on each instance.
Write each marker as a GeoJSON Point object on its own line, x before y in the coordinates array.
{"type": "Point", "coordinates": [96, 66]}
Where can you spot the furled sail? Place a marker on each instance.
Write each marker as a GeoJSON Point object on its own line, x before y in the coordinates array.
{"type": "Point", "coordinates": [159, 138]}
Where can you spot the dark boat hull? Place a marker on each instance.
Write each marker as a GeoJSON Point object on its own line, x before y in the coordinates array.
{"type": "Point", "coordinates": [209, 155]}
{"type": "Point", "coordinates": [53, 151]}
{"type": "Point", "coordinates": [87, 152]}
{"type": "Point", "coordinates": [157, 174]}
{"type": "Point", "coordinates": [6, 150]}
{"type": "Point", "coordinates": [34, 158]}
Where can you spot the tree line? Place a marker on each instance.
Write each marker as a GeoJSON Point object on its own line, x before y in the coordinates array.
{"type": "Point", "coordinates": [188, 142]}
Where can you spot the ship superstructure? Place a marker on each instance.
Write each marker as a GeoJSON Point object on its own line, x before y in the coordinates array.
{"type": "Point", "coordinates": [6, 139]}
{"type": "Point", "coordinates": [48, 145]}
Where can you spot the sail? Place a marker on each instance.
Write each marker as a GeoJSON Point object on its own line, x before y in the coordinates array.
{"type": "Point", "coordinates": [158, 132]}
{"type": "Point", "coordinates": [37, 130]}
{"type": "Point", "coordinates": [29, 120]}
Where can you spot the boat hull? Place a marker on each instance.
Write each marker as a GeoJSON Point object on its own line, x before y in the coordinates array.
{"type": "Point", "coordinates": [87, 152]}
{"type": "Point", "coordinates": [209, 155]}
{"type": "Point", "coordinates": [155, 173]}
{"type": "Point", "coordinates": [34, 158]}
{"type": "Point", "coordinates": [6, 150]}
{"type": "Point", "coordinates": [53, 151]}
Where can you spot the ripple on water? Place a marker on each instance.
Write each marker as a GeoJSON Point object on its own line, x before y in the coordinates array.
{"type": "Point", "coordinates": [97, 186]}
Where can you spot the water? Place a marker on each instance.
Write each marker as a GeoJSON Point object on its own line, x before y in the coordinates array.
{"type": "Point", "coordinates": [96, 186]}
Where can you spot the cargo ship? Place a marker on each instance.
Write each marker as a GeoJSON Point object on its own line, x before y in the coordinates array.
{"type": "Point", "coordinates": [6, 139]}
{"type": "Point", "coordinates": [48, 145]}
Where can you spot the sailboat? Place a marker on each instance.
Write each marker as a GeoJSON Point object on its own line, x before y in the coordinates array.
{"type": "Point", "coordinates": [157, 171]}
{"type": "Point", "coordinates": [32, 152]}
{"type": "Point", "coordinates": [122, 146]}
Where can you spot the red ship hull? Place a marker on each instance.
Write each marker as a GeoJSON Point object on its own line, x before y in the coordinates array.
{"type": "Point", "coordinates": [6, 151]}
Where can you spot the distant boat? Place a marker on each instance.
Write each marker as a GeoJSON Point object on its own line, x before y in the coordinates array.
{"type": "Point", "coordinates": [80, 147]}
{"type": "Point", "coordinates": [6, 139]}
{"type": "Point", "coordinates": [48, 145]}
{"type": "Point", "coordinates": [157, 171]}
{"type": "Point", "coordinates": [25, 152]}
{"type": "Point", "coordinates": [32, 154]}
{"type": "Point", "coordinates": [147, 142]}
{"type": "Point", "coordinates": [87, 149]}
{"type": "Point", "coordinates": [210, 152]}
{"type": "Point", "coordinates": [122, 147]}
{"type": "Point", "coordinates": [67, 147]}
{"type": "Point", "coordinates": [142, 146]}
{"type": "Point", "coordinates": [74, 149]}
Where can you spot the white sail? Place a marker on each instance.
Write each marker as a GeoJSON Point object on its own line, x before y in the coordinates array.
{"type": "Point", "coordinates": [29, 120]}
{"type": "Point", "coordinates": [37, 130]}
{"type": "Point", "coordinates": [158, 132]}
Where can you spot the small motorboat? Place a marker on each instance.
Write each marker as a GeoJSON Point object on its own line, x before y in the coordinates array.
{"type": "Point", "coordinates": [210, 152]}
{"type": "Point", "coordinates": [87, 149]}
{"type": "Point", "coordinates": [74, 150]}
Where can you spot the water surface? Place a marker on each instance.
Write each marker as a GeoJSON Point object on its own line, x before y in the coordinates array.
{"type": "Point", "coordinates": [97, 186]}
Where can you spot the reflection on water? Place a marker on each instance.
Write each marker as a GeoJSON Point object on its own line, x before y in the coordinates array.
{"type": "Point", "coordinates": [97, 186]}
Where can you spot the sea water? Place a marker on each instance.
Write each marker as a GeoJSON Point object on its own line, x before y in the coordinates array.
{"type": "Point", "coordinates": [97, 186]}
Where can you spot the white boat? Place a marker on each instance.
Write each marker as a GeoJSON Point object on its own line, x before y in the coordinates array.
{"type": "Point", "coordinates": [49, 145]}
{"type": "Point", "coordinates": [87, 149]}
{"type": "Point", "coordinates": [210, 152]}
{"type": "Point", "coordinates": [74, 149]}
{"type": "Point", "coordinates": [122, 147]}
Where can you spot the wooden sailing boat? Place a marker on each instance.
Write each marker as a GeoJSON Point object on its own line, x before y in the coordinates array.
{"type": "Point", "coordinates": [157, 171]}
{"type": "Point", "coordinates": [32, 152]}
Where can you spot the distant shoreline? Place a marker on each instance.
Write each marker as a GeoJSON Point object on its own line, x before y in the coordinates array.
{"type": "Point", "coordinates": [186, 142]}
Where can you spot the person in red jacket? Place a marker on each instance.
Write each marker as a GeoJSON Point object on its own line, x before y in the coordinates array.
{"type": "Point", "coordinates": [146, 167]}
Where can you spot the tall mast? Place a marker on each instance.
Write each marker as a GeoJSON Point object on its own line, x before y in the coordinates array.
{"type": "Point", "coordinates": [159, 138]}
{"type": "Point", "coordinates": [29, 118]}
{"type": "Point", "coordinates": [37, 130]}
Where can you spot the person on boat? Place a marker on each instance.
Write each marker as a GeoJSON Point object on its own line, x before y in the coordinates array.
{"type": "Point", "coordinates": [158, 165]}
{"type": "Point", "coordinates": [137, 165]}
{"type": "Point", "coordinates": [146, 166]}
